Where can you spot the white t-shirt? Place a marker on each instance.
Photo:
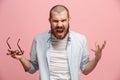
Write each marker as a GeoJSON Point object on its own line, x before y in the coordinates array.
{"type": "Point", "coordinates": [59, 69]}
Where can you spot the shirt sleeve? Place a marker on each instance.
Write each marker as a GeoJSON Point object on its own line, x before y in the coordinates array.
{"type": "Point", "coordinates": [33, 58]}
{"type": "Point", "coordinates": [85, 55]}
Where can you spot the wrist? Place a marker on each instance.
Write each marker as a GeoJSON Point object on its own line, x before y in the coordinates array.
{"type": "Point", "coordinates": [21, 58]}
{"type": "Point", "coordinates": [97, 59]}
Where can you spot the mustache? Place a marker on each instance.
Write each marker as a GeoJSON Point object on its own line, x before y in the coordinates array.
{"type": "Point", "coordinates": [60, 27]}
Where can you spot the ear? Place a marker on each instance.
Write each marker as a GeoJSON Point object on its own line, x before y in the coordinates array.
{"type": "Point", "coordinates": [69, 19]}
{"type": "Point", "coordinates": [49, 19]}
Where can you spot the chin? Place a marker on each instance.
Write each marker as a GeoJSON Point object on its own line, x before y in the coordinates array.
{"type": "Point", "coordinates": [61, 37]}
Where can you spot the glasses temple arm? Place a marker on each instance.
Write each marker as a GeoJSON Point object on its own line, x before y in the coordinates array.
{"type": "Point", "coordinates": [8, 43]}
{"type": "Point", "coordinates": [19, 46]}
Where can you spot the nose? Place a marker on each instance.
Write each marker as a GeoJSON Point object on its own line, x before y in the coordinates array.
{"type": "Point", "coordinates": [59, 24]}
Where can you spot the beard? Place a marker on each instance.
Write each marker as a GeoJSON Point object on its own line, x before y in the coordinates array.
{"type": "Point", "coordinates": [60, 32]}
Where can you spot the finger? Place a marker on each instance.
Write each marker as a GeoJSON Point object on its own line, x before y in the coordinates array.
{"type": "Point", "coordinates": [93, 50]}
{"type": "Point", "coordinates": [95, 44]}
{"type": "Point", "coordinates": [103, 46]}
{"type": "Point", "coordinates": [11, 51]}
{"type": "Point", "coordinates": [17, 53]}
{"type": "Point", "coordinates": [13, 55]}
{"type": "Point", "coordinates": [8, 53]}
{"type": "Point", "coordinates": [98, 47]}
{"type": "Point", "coordinates": [95, 47]}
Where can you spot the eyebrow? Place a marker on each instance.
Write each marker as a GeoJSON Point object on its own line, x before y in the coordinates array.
{"type": "Point", "coordinates": [59, 20]}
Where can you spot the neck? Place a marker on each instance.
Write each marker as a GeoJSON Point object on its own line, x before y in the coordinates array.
{"type": "Point", "coordinates": [59, 43]}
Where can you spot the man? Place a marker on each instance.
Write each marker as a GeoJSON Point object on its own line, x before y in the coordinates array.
{"type": "Point", "coordinates": [59, 54]}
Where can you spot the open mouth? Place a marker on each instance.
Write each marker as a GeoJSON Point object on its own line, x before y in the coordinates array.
{"type": "Point", "coordinates": [59, 33]}
{"type": "Point", "coordinates": [59, 30]}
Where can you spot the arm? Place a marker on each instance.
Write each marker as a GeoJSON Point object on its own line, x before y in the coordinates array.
{"type": "Point", "coordinates": [92, 64]}
{"type": "Point", "coordinates": [29, 65]}
{"type": "Point", "coordinates": [25, 62]}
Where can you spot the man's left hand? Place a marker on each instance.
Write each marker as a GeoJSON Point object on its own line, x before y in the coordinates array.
{"type": "Point", "coordinates": [98, 50]}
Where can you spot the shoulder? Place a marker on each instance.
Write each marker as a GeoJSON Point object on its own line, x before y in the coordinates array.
{"type": "Point", "coordinates": [77, 35]}
{"type": "Point", "coordinates": [42, 36]}
{"type": "Point", "coordinates": [78, 39]}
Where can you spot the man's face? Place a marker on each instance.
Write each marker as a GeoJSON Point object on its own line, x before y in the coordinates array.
{"type": "Point", "coordinates": [59, 24]}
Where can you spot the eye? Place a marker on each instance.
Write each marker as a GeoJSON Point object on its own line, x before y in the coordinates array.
{"type": "Point", "coordinates": [55, 21]}
{"type": "Point", "coordinates": [64, 20]}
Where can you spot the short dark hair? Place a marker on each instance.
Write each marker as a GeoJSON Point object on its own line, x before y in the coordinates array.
{"type": "Point", "coordinates": [58, 8]}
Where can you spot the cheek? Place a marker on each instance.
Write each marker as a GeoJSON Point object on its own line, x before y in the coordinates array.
{"type": "Point", "coordinates": [66, 26]}
{"type": "Point", "coordinates": [53, 25]}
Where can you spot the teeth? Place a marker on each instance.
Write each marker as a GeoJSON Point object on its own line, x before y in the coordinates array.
{"type": "Point", "coordinates": [60, 30]}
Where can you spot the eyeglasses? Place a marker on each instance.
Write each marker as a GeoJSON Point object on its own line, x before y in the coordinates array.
{"type": "Point", "coordinates": [18, 52]}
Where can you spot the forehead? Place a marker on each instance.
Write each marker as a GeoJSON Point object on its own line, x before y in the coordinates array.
{"type": "Point", "coordinates": [61, 15]}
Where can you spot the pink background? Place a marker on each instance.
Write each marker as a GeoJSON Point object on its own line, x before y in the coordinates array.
{"type": "Point", "coordinates": [99, 20]}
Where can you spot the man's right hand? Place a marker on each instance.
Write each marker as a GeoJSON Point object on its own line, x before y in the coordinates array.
{"type": "Point", "coordinates": [14, 54]}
